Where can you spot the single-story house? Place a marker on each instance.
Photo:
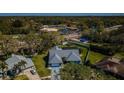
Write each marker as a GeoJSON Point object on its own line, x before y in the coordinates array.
{"type": "Point", "coordinates": [58, 56]}
{"type": "Point", "coordinates": [15, 59]}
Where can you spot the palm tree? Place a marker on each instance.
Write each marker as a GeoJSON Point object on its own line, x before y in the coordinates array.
{"type": "Point", "coordinates": [3, 68]}
{"type": "Point", "coordinates": [22, 64]}
{"type": "Point", "coordinates": [17, 68]}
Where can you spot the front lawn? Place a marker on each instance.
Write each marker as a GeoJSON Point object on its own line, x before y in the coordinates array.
{"type": "Point", "coordinates": [39, 63]}
{"type": "Point", "coordinates": [21, 77]}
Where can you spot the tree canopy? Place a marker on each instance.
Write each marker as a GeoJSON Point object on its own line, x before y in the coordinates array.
{"type": "Point", "coordinates": [73, 71]}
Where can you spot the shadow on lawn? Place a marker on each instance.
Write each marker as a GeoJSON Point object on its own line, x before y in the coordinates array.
{"type": "Point", "coordinates": [46, 60]}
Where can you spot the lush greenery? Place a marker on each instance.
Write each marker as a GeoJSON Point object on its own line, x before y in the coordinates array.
{"type": "Point", "coordinates": [93, 57]}
{"type": "Point", "coordinates": [113, 37]}
{"type": "Point", "coordinates": [109, 42]}
{"type": "Point", "coordinates": [81, 72]}
{"type": "Point", "coordinates": [21, 77]}
{"type": "Point", "coordinates": [104, 49]}
{"type": "Point", "coordinates": [22, 35]}
{"type": "Point", "coordinates": [25, 25]}
{"type": "Point", "coordinates": [40, 65]}
{"type": "Point", "coordinates": [27, 30]}
{"type": "Point", "coordinates": [28, 44]}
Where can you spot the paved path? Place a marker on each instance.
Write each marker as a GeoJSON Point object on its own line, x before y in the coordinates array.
{"type": "Point", "coordinates": [55, 73]}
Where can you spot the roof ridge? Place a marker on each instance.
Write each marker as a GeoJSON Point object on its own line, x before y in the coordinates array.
{"type": "Point", "coordinates": [72, 53]}
{"type": "Point", "coordinates": [56, 56]}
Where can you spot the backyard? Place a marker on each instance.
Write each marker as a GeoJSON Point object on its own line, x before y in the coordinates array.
{"type": "Point", "coordinates": [94, 57]}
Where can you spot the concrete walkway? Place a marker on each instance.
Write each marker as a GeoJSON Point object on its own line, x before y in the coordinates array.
{"type": "Point", "coordinates": [55, 73]}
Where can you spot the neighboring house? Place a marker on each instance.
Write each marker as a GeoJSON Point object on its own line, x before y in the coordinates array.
{"type": "Point", "coordinates": [47, 29]}
{"type": "Point", "coordinates": [58, 56]}
{"type": "Point", "coordinates": [112, 65]}
{"type": "Point", "coordinates": [15, 59]}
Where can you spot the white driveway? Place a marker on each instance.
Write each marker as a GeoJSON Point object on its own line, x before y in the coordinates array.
{"type": "Point", "coordinates": [30, 75]}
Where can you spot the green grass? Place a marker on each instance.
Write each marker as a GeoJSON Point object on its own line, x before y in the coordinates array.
{"type": "Point", "coordinates": [40, 65]}
{"type": "Point", "coordinates": [79, 44]}
{"type": "Point", "coordinates": [83, 54]}
{"type": "Point", "coordinates": [94, 57]}
{"type": "Point", "coordinates": [21, 77]}
{"type": "Point", "coordinates": [119, 55]}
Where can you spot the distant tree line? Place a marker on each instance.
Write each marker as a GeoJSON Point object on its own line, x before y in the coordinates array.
{"type": "Point", "coordinates": [23, 25]}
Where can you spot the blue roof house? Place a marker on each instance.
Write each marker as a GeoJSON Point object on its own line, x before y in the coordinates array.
{"type": "Point", "coordinates": [58, 56]}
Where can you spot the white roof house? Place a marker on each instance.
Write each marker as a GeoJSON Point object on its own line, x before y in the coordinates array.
{"type": "Point", "coordinates": [15, 59]}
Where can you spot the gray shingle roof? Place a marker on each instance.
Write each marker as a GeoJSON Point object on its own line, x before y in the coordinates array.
{"type": "Point", "coordinates": [55, 59]}
{"type": "Point", "coordinates": [56, 48]}
{"type": "Point", "coordinates": [15, 59]}
{"type": "Point", "coordinates": [68, 54]}
{"type": "Point", "coordinates": [73, 57]}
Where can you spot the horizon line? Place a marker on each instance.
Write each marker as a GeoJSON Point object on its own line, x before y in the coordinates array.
{"type": "Point", "coordinates": [61, 14]}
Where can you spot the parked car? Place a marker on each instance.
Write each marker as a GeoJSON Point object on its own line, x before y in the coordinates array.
{"type": "Point", "coordinates": [33, 72]}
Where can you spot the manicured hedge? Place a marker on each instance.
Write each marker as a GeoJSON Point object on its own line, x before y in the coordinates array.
{"type": "Point", "coordinates": [107, 50]}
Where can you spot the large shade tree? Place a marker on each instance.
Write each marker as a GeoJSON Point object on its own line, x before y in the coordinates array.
{"type": "Point", "coordinates": [73, 71]}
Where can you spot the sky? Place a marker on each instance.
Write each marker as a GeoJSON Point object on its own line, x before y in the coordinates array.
{"type": "Point", "coordinates": [61, 14]}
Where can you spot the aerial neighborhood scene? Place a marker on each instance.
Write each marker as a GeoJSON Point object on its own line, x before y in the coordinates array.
{"type": "Point", "coordinates": [61, 47]}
